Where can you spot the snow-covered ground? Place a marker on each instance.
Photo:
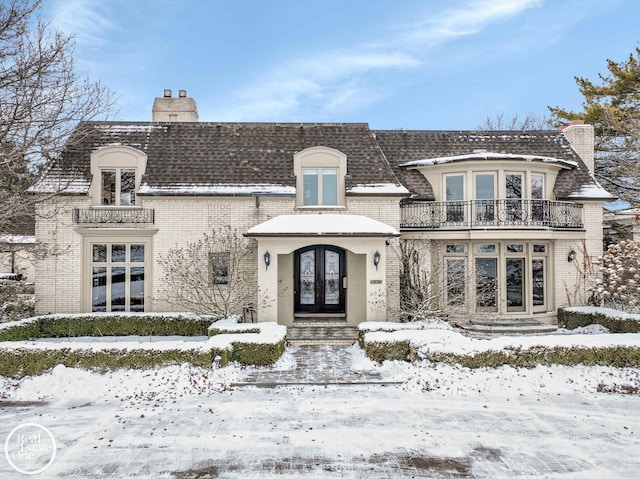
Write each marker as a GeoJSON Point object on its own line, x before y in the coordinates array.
{"type": "Point", "coordinates": [440, 421]}
{"type": "Point", "coordinates": [427, 420]}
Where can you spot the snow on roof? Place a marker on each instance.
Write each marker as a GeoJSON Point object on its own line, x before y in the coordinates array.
{"type": "Point", "coordinates": [487, 155]}
{"type": "Point", "coordinates": [379, 189]}
{"type": "Point", "coordinates": [322, 224]}
{"type": "Point", "coordinates": [17, 239]}
{"type": "Point", "coordinates": [61, 184]}
{"type": "Point", "coordinates": [217, 189]}
{"type": "Point", "coordinates": [592, 191]}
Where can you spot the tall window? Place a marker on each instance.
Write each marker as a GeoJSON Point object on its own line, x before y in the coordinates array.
{"type": "Point", "coordinates": [485, 194]}
{"type": "Point", "coordinates": [117, 277]}
{"type": "Point", "coordinates": [118, 186]}
{"type": "Point", "coordinates": [320, 186]}
{"type": "Point", "coordinates": [454, 194]}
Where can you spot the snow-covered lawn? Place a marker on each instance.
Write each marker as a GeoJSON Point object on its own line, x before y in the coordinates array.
{"type": "Point", "coordinates": [441, 421]}
{"type": "Point", "coordinates": [429, 420]}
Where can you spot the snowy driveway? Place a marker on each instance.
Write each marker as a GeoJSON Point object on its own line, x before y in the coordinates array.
{"type": "Point", "coordinates": [440, 422]}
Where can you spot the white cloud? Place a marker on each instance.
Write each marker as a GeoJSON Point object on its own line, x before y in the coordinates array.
{"type": "Point", "coordinates": [88, 20]}
{"type": "Point", "coordinates": [472, 18]}
{"type": "Point", "coordinates": [325, 82]}
{"type": "Point", "coordinates": [333, 81]}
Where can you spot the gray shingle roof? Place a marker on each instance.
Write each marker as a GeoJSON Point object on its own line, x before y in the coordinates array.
{"type": "Point", "coordinates": [401, 146]}
{"type": "Point", "coordinates": [262, 153]}
{"type": "Point", "coordinates": [232, 153]}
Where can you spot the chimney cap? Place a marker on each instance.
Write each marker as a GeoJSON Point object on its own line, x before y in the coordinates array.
{"type": "Point", "coordinates": [182, 93]}
{"type": "Point", "coordinates": [167, 93]}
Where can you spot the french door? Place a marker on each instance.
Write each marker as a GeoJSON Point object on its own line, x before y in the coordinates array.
{"type": "Point", "coordinates": [319, 279]}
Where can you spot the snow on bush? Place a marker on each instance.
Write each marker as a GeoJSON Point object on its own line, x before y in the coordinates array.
{"type": "Point", "coordinates": [619, 287]}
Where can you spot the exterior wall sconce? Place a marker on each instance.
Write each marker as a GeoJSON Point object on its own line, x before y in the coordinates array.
{"type": "Point", "coordinates": [257, 201]}
{"type": "Point", "coordinates": [267, 259]}
{"type": "Point", "coordinates": [376, 259]}
{"type": "Point", "coordinates": [572, 256]}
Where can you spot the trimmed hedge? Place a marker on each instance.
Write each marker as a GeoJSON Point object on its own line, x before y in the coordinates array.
{"type": "Point", "coordinates": [388, 351]}
{"type": "Point", "coordinates": [57, 326]}
{"type": "Point", "coordinates": [257, 354]}
{"type": "Point", "coordinates": [363, 332]}
{"type": "Point", "coordinates": [577, 319]}
{"type": "Point", "coordinates": [620, 356]}
{"type": "Point", "coordinates": [20, 362]}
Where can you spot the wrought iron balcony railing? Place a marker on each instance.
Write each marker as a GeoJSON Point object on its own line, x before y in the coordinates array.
{"type": "Point", "coordinates": [480, 214]}
{"type": "Point", "coordinates": [112, 215]}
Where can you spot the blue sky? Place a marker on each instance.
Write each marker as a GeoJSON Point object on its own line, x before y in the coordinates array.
{"type": "Point", "coordinates": [441, 64]}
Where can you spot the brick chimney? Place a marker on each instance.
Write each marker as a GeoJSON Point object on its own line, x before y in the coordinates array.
{"type": "Point", "coordinates": [170, 109]}
{"type": "Point", "coordinates": [581, 137]}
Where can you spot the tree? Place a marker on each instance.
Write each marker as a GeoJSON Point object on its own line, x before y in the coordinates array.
{"type": "Point", "coordinates": [42, 98]}
{"type": "Point", "coordinates": [214, 275]}
{"type": "Point", "coordinates": [527, 123]}
{"type": "Point", "coordinates": [612, 106]}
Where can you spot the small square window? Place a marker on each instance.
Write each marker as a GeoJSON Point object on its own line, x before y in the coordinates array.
{"type": "Point", "coordinates": [539, 248]}
{"type": "Point", "coordinates": [515, 248]}
{"type": "Point", "coordinates": [219, 268]}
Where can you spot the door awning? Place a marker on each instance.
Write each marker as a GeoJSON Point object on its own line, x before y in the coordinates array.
{"type": "Point", "coordinates": [322, 225]}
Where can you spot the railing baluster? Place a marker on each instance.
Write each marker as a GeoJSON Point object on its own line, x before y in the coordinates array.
{"type": "Point", "coordinates": [113, 215]}
{"type": "Point", "coordinates": [498, 213]}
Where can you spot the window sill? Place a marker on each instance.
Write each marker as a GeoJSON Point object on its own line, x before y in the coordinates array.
{"type": "Point", "coordinates": [321, 207]}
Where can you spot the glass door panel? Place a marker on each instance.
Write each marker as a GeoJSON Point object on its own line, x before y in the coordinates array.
{"type": "Point", "coordinates": [454, 186]}
{"type": "Point", "coordinates": [486, 293]}
{"type": "Point", "coordinates": [513, 193]}
{"type": "Point", "coordinates": [538, 285]}
{"type": "Point", "coordinates": [319, 272]}
{"type": "Point", "coordinates": [308, 277]}
{"type": "Point", "coordinates": [485, 194]}
{"type": "Point", "coordinates": [514, 279]}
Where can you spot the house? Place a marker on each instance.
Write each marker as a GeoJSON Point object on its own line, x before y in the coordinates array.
{"type": "Point", "coordinates": [17, 244]}
{"type": "Point", "coordinates": [501, 220]}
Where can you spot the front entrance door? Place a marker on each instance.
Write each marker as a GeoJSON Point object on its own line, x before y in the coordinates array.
{"type": "Point", "coordinates": [319, 279]}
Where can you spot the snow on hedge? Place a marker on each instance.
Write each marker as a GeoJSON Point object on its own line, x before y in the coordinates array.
{"type": "Point", "coordinates": [415, 325]}
{"type": "Point", "coordinates": [451, 342]}
{"type": "Point", "coordinates": [169, 316]}
{"type": "Point", "coordinates": [611, 313]}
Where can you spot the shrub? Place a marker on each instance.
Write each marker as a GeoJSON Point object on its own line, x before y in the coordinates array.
{"type": "Point", "coordinates": [620, 356]}
{"type": "Point", "coordinates": [571, 318]}
{"type": "Point", "coordinates": [387, 351]}
{"type": "Point", "coordinates": [75, 325]}
{"type": "Point", "coordinates": [619, 287]}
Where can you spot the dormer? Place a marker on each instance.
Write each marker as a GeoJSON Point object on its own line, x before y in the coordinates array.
{"type": "Point", "coordinates": [320, 172]}
{"type": "Point", "coordinates": [117, 172]}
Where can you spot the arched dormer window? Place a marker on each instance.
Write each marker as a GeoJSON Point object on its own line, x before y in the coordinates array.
{"type": "Point", "coordinates": [320, 173]}
{"type": "Point", "coordinates": [117, 172]}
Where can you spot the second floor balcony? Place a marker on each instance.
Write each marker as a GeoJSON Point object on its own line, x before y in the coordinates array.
{"type": "Point", "coordinates": [113, 215]}
{"type": "Point", "coordinates": [485, 214]}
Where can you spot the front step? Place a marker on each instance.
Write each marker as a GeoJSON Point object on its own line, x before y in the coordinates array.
{"type": "Point", "coordinates": [321, 334]}
{"type": "Point", "coordinates": [509, 327]}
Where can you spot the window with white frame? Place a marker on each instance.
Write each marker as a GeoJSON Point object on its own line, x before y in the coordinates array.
{"type": "Point", "coordinates": [118, 186]}
{"type": "Point", "coordinates": [320, 186]}
{"type": "Point", "coordinates": [320, 177]}
{"type": "Point", "coordinates": [508, 276]}
{"type": "Point", "coordinates": [118, 277]}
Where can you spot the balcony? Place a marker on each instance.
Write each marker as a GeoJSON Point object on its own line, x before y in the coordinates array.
{"type": "Point", "coordinates": [113, 215]}
{"type": "Point", "coordinates": [485, 214]}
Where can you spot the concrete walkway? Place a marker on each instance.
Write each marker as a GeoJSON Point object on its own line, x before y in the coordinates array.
{"type": "Point", "coordinates": [314, 365]}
